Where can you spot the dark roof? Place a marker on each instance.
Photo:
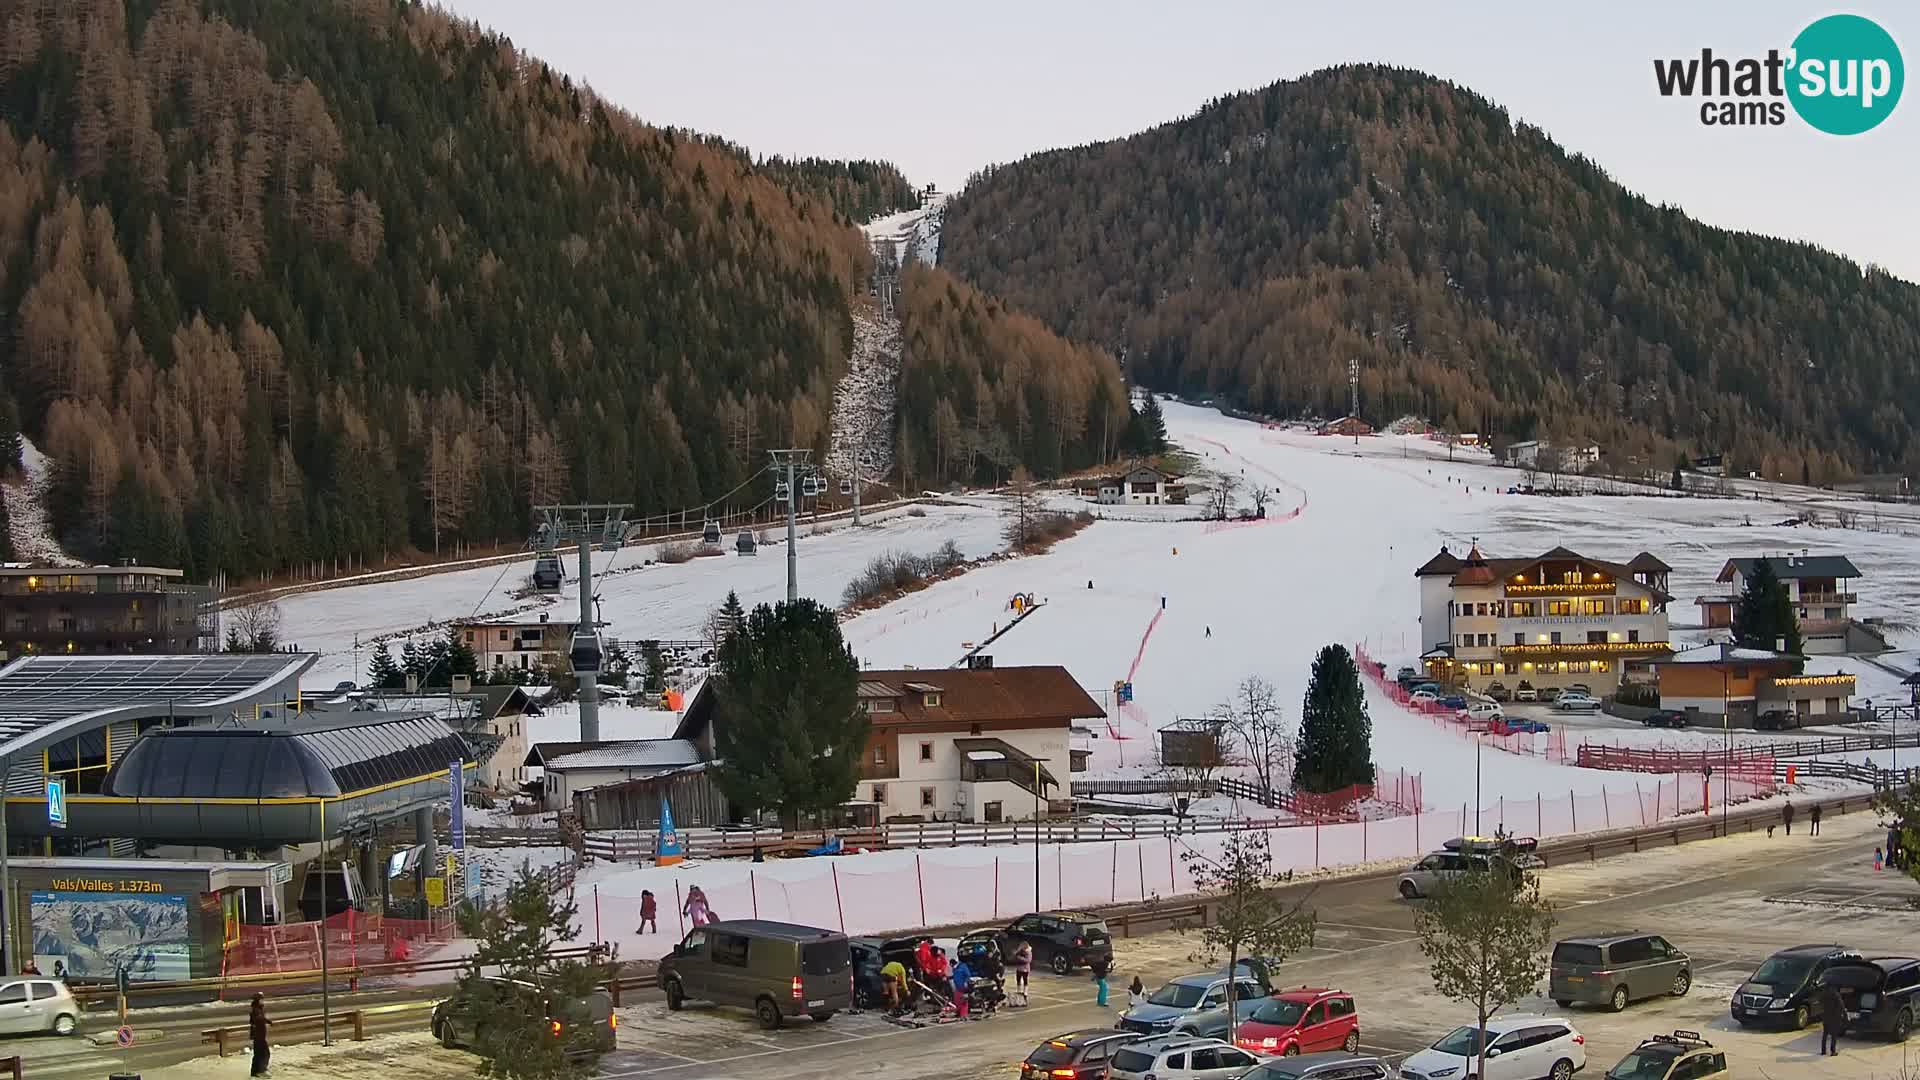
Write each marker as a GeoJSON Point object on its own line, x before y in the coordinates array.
{"type": "Point", "coordinates": [614, 754]}
{"type": "Point", "coordinates": [46, 698]}
{"type": "Point", "coordinates": [1443, 563]}
{"type": "Point", "coordinates": [327, 759]}
{"type": "Point", "coordinates": [1788, 567]}
{"type": "Point", "coordinates": [768, 928]}
{"type": "Point", "coordinates": [1648, 562]}
{"type": "Point", "coordinates": [1474, 571]}
{"type": "Point", "coordinates": [1504, 569]}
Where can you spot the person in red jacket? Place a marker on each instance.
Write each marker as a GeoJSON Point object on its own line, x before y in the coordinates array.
{"type": "Point", "coordinates": [649, 912]}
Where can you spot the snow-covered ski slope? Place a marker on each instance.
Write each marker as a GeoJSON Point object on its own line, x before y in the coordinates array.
{"type": "Point", "coordinates": [1338, 570]}
{"type": "Point", "coordinates": [915, 233]}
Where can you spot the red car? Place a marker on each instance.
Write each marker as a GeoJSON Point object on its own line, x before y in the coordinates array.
{"type": "Point", "coordinates": [1303, 1021]}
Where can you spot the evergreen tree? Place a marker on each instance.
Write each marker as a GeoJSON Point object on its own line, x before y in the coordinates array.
{"type": "Point", "coordinates": [9, 435]}
{"type": "Point", "coordinates": [1336, 734]}
{"type": "Point", "coordinates": [1679, 482]}
{"type": "Point", "coordinates": [1153, 426]}
{"type": "Point", "coordinates": [459, 657]}
{"type": "Point", "coordinates": [656, 667]}
{"type": "Point", "coordinates": [732, 615]}
{"type": "Point", "coordinates": [382, 672]}
{"type": "Point", "coordinates": [1763, 616]}
{"type": "Point", "coordinates": [789, 731]}
{"type": "Point", "coordinates": [234, 643]}
{"type": "Point", "coordinates": [412, 662]}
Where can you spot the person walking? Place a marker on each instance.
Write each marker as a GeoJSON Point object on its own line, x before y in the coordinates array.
{"type": "Point", "coordinates": [1100, 987]}
{"type": "Point", "coordinates": [1813, 820]}
{"type": "Point", "coordinates": [1786, 817]}
{"type": "Point", "coordinates": [649, 912]}
{"type": "Point", "coordinates": [1833, 1020]}
{"type": "Point", "coordinates": [696, 909]}
{"type": "Point", "coordinates": [1136, 993]}
{"type": "Point", "coordinates": [1022, 968]}
{"type": "Point", "coordinates": [257, 1023]}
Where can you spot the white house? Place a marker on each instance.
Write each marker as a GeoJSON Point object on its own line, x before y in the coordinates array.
{"type": "Point", "coordinates": [1140, 485]}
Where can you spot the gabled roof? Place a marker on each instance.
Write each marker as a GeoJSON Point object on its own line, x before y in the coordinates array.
{"type": "Point", "coordinates": [1725, 652]}
{"type": "Point", "coordinates": [1041, 696]}
{"type": "Point", "coordinates": [1790, 567]}
{"type": "Point", "coordinates": [1648, 563]}
{"type": "Point", "coordinates": [616, 754]}
{"type": "Point", "coordinates": [1507, 569]}
{"type": "Point", "coordinates": [1444, 563]}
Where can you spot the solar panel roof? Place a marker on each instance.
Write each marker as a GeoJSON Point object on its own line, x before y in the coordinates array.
{"type": "Point", "coordinates": [43, 697]}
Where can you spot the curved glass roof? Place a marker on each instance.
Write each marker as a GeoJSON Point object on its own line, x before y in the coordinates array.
{"type": "Point", "coordinates": [46, 698]}
{"type": "Point", "coordinates": [332, 758]}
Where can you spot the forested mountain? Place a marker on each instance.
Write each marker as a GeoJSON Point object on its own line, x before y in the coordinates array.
{"type": "Point", "coordinates": [984, 389]}
{"type": "Point", "coordinates": [288, 281]}
{"type": "Point", "coordinates": [1478, 273]}
{"type": "Point", "coordinates": [857, 190]}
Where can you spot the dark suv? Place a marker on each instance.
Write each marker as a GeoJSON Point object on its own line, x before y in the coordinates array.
{"type": "Point", "coordinates": [1672, 718]}
{"type": "Point", "coordinates": [1074, 1055]}
{"type": "Point", "coordinates": [1783, 991]}
{"type": "Point", "coordinates": [1881, 993]}
{"type": "Point", "coordinates": [1064, 940]}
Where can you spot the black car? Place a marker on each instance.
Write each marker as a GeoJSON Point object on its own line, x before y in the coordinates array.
{"type": "Point", "coordinates": [1064, 940]}
{"type": "Point", "coordinates": [869, 955]}
{"type": "Point", "coordinates": [985, 951]}
{"type": "Point", "coordinates": [1672, 718]}
{"type": "Point", "coordinates": [1881, 992]}
{"type": "Point", "coordinates": [1074, 1055]}
{"type": "Point", "coordinates": [582, 1025]}
{"type": "Point", "coordinates": [1784, 991]}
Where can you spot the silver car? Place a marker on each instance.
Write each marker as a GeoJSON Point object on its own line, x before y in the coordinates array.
{"type": "Point", "coordinates": [29, 1004]}
{"type": "Point", "coordinates": [1423, 877]}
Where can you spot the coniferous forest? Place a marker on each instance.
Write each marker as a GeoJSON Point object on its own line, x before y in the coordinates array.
{"type": "Point", "coordinates": [1479, 275]}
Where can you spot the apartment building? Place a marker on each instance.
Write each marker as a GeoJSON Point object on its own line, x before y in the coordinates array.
{"type": "Point", "coordinates": [103, 609]}
{"type": "Point", "coordinates": [1822, 594]}
{"type": "Point", "coordinates": [1550, 620]}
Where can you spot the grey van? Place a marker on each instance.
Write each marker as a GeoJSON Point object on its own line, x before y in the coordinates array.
{"type": "Point", "coordinates": [1614, 969]}
{"type": "Point", "coordinates": [777, 969]}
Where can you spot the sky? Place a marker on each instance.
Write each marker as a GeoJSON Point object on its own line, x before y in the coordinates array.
{"type": "Point", "coordinates": [942, 90]}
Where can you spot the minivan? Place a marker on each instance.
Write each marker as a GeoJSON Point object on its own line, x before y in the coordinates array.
{"type": "Point", "coordinates": [1881, 993]}
{"type": "Point", "coordinates": [1784, 990]}
{"type": "Point", "coordinates": [779, 970]}
{"type": "Point", "coordinates": [1614, 969]}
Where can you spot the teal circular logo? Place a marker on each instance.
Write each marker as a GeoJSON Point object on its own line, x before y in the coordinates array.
{"type": "Point", "coordinates": [1846, 74]}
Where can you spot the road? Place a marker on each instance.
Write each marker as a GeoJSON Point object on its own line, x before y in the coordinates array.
{"type": "Point", "coordinates": [1728, 902]}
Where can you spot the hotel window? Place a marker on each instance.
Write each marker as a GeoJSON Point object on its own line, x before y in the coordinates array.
{"type": "Point", "coordinates": [1486, 669]}
{"type": "Point", "coordinates": [1519, 639]}
{"type": "Point", "coordinates": [931, 701]}
{"type": "Point", "coordinates": [1479, 609]}
{"type": "Point", "coordinates": [1559, 607]}
{"type": "Point", "coordinates": [1596, 637]}
{"type": "Point", "coordinates": [1632, 607]}
{"type": "Point", "coordinates": [926, 751]}
{"type": "Point", "coordinates": [1522, 609]}
{"type": "Point", "coordinates": [1550, 667]}
{"type": "Point", "coordinates": [879, 793]}
{"type": "Point", "coordinates": [926, 797]}
{"type": "Point", "coordinates": [1578, 667]}
{"type": "Point", "coordinates": [1595, 607]}
{"type": "Point", "coordinates": [1603, 665]}
{"type": "Point", "coordinates": [880, 755]}
{"type": "Point", "coordinates": [1633, 635]}
{"type": "Point", "coordinates": [1556, 637]}
{"type": "Point", "coordinates": [1484, 640]}
{"type": "Point", "coordinates": [1466, 641]}
{"type": "Point", "coordinates": [879, 704]}
{"type": "Point", "coordinates": [1465, 610]}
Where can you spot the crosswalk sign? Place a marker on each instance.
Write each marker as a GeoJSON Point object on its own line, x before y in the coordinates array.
{"type": "Point", "coordinates": [57, 803]}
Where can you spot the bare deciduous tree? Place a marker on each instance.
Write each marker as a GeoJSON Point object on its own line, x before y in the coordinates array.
{"type": "Point", "coordinates": [1254, 718]}
{"type": "Point", "coordinates": [1197, 752]}
{"type": "Point", "coordinates": [1262, 494]}
{"type": "Point", "coordinates": [254, 627]}
{"type": "Point", "coordinates": [1220, 501]}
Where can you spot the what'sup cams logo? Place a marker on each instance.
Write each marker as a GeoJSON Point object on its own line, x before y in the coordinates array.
{"type": "Point", "coordinates": [1842, 75]}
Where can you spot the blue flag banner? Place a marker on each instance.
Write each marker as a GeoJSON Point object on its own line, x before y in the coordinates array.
{"type": "Point", "coordinates": [456, 819]}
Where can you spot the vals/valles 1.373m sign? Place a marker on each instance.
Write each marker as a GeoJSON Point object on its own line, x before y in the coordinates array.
{"type": "Point", "coordinates": [1842, 75]}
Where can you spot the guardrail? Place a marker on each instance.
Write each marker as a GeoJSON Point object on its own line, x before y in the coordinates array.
{"type": "Point", "coordinates": [639, 846]}
{"type": "Point", "coordinates": [324, 1023]}
{"type": "Point", "coordinates": [89, 994]}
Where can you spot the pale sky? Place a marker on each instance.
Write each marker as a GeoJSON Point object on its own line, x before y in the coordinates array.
{"type": "Point", "coordinates": [941, 89]}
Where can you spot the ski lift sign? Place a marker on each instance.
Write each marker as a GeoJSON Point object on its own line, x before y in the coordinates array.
{"type": "Point", "coordinates": [57, 803]}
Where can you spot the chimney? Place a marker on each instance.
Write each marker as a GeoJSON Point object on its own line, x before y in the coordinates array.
{"type": "Point", "coordinates": [543, 616]}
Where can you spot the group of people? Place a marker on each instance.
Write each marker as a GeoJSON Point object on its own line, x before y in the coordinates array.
{"type": "Point", "coordinates": [952, 979]}
{"type": "Point", "coordinates": [697, 909]}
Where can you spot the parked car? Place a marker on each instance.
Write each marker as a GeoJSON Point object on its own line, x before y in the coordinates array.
{"type": "Point", "coordinates": [1614, 969]}
{"type": "Point", "coordinates": [1519, 1047]}
{"type": "Point", "coordinates": [1184, 996]}
{"type": "Point", "coordinates": [1578, 688]}
{"type": "Point", "coordinates": [1428, 686]}
{"type": "Point", "coordinates": [1783, 991]}
{"type": "Point", "coordinates": [1551, 693]}
{"type": "Point", "coordinates": [978, 946]}
{"type": "Point", "coordinates": [1518, 725]}
{"type": "Point", "coordinates": [1667, 718]}
{"type": "Point", "coordinates": [1525, 692]}
{"type": "Point", "coordinates": [1212, 1024]}
{"type": "Point", "coordinates": [1407, 676]}
{"type": "Point", "coordinates": [1179, 1057]}
{"type": "Point", "coordinates": [29, 1004]}
{"type": "Point", "coordinates": [1338, 1065]}
{"type": "Point", "coordinates": [777, 969]}
{"type": "Point", "coordinates": [1481, 712]}
{"type": "Point", "coordinates": [1777, 720]}
{"type": "Point", "coordinates": [869, 955]}
{"type": "Point", "coordinates": [1423, 697]}
{"type": "Point", "coordinates": [1574, 702]}
{"type": "Point", "coordinates": [1454, 701]}
{"type": "Point", "coordinates": [1683, 1055]}
{"type": "Point", "coordinates": [1881, 993]}
{"type": "Point", "coordinates": [583, 1025]}
{"type": "Point", "coordinates": [1498, 691]}
{"type": "Point", "coordinates": [1522, 851]}
{"type": "Point", "coordinates": [1074, 1055]}
{"type": "Point", "coordinates": [1064, 940]}
{"type": "Point", "coordinates": [1303, 1021]}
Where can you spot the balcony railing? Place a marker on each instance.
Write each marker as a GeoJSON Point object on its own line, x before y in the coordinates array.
{"type": "Point", "coordinates": [1588, 588]}
{"type": "Point", "coordinates": [1577, 650]}
{"type": "Point", "coordinates": [1018, 774]}
{"type": "Point", "coordinates": [871, 771]}
{"type": "Point", "coordinates": [1828, 598]}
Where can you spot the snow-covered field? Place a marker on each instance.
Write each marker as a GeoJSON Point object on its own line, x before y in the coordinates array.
{"type": "Point", "coordinates": [660, 601]}
{"type": "Point", "coordinates": [914, 233]}
{"type": "Point", "coordinates": [1186, 609]}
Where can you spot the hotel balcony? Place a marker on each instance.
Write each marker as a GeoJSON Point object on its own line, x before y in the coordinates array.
{"type": "Point", "coordinates": [1587, 650]}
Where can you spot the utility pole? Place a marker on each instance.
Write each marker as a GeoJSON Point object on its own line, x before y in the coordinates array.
{"type": "Point", "coordinates": [587, 524]}
{"type": "Point", "coordinates": [856, 475]}
{"type": "Point", "coordinates": [6, 877]}
{"type": "Point", "coordinates": [792, 461]}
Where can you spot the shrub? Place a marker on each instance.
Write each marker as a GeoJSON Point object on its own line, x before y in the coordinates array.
{"type": "Point", "coordinates": [679, 551]}
{"type": "Point", "coordinates": [898, 571]}
{"type": "Point", "coordinates": [916, 511]}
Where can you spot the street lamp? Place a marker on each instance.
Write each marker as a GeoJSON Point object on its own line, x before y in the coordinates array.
{"type": "Point", "coordinates": [1478, 742]}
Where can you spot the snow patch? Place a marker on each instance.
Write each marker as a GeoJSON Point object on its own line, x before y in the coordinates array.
{"type": "Point", "coordinates": [27, 521]}
{"type": "Point", "coordinates": [915, 234]}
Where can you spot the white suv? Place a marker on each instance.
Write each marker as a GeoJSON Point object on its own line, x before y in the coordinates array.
{"type": "Point", "coordinates": [1179, 1057]}
{"type": "Point", "coordinates": [1518, 1048]}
